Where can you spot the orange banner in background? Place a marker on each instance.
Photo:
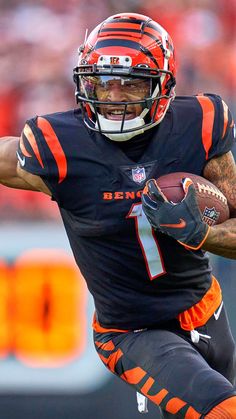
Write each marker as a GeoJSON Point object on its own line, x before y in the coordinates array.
{"type": "Point", "coordinates": [5, 310]}
{"type": "Point", "coordinates": [43, 301]}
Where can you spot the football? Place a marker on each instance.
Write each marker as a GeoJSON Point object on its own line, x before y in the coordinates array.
{"type": "Point", "coordinates": [212, 202]}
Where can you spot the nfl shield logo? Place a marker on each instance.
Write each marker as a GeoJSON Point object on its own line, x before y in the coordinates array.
{"type": "Point", "coordinates": [138, 174]}
{"type": "Point", "coordinates": [210, 216]}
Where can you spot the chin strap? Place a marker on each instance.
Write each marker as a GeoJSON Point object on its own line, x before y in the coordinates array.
{"type": "Point", "coordinates": [138, 123]}
{"type": "Point", "coordinates": [108, 125]}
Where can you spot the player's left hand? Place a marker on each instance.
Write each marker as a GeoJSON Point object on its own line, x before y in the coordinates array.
{"type": "Point", "coordinates": [182, 221]}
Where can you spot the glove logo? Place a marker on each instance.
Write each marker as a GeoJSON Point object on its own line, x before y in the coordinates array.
{"type": "Point", "coordinates": [181, 224]}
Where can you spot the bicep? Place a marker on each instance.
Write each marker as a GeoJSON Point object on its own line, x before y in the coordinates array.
{"type": "Point", "coordinates": [34, 182]}
{"type": "Point", "coordinates": [222, 172]}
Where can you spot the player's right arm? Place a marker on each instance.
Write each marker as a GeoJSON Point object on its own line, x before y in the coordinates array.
{"type": "Point", "coordinates": [11, 174]}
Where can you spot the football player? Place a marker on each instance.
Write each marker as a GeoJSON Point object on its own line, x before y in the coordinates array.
{"type": "Point", "coordinates": [159, 323]}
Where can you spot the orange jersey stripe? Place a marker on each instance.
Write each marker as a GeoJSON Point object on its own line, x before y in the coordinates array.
{"type": "Point", "coordinates": [226, 117]}
{"type": "Point", "coordinates": [31, 138]}
{"type": "Point", "coordinates": [103, 358]}
{"type": "Point", "coordinates": [108, 346]}
{"type": "Point", "coordinates": [55, 146]}
{"type": "Point", "coordinates": [113, 359]}
{"type": "Point", "coordinates": [174, 405]}
{"type": "Point", "coordinates": [223, 410]}
{"type": "Point", "coordinates": [146, 387]}
{"type": "Point", "coordinates": [208, 112]}
{"type": "Point", "coordinates": [192, 414]}
{"type": "Point", "coordinates": [99, 329]}
{"type": "Point", "coordinates": [23, 149]}
{"type": "Point", "coordinates": [134, 375]}
{"type": "Point", "coordinates": [159, 396]}
{"type": "Point", "coordinates": [200, 313]}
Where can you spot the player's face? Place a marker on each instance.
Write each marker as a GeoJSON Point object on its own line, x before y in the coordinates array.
{"type": "Point", "coordinates": [118, 89]}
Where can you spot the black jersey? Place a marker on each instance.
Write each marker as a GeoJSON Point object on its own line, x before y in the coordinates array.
{"type": "Point", "coordinates": [138, 277]}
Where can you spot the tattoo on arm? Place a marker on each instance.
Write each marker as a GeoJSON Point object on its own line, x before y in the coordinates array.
{"type": "Point", "coordinates": [222, 172]}
{"type": "Point", "coordinates": [221, 240]}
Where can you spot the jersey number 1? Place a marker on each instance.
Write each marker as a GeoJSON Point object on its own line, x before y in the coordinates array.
{"type": "Point", "coordinates": [148, 242]}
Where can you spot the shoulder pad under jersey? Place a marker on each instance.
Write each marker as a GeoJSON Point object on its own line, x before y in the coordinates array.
{"type": "Point", "coordinates": [217, 125]}
{"type": "Point", "coordinates": [40, 152]}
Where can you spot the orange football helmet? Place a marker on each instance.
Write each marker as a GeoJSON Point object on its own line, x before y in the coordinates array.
{"type": "Point", "coordinates": [127, 47]}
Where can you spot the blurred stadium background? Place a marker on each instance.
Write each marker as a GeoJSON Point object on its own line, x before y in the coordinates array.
{"type": "Point", "coordinates": [48, 367]}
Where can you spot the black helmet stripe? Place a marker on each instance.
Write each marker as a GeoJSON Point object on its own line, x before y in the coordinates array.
{"type": "Point", "coordinates": [129, 30]}
{"type": "Point", "coordinates": [118, 43]}
{"type": "Point", "coordinates": [136, 21]}
{"type": "Point", "coordinates": [156, 28]}
{"type": "Point", "coordinates": [120, 30]}
{"type": "Point", "coordinates": [124, 43]}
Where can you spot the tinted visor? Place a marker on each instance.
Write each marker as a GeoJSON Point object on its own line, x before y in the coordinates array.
{"type": "Point", "coordinates": [99, 87]}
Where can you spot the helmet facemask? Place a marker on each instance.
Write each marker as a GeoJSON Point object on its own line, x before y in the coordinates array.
{"type": "Point", "coordinates": [133, 116]}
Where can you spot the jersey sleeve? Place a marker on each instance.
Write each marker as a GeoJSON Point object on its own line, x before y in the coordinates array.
{"type": "Point", "coordinates": [218, 129]}
{"type": "Point", "coordinates": [40, 153]}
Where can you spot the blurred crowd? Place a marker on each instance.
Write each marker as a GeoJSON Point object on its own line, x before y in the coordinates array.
{"type": "Point", "coordinates": [39, 42]}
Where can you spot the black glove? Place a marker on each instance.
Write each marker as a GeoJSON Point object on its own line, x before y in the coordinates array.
{"type": "Point", "coordinates": [182, 221]}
